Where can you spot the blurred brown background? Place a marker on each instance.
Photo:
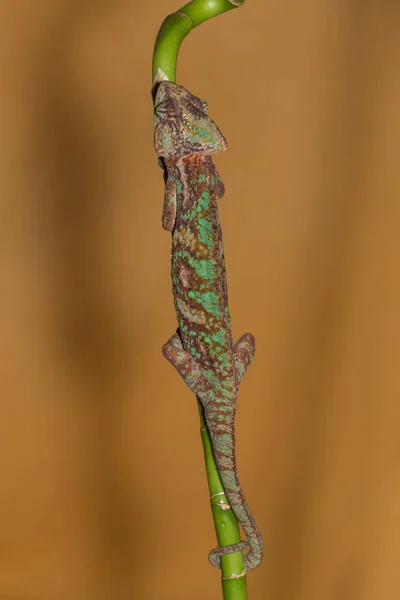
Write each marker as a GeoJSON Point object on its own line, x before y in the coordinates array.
{"type": "Point", "coordinates": [103, 491]}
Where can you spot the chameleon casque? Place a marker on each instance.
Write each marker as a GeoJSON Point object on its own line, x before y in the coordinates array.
{"type": "Point", "coordinates": [202, 349]}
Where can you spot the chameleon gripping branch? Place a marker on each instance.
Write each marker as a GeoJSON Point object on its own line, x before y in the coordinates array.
{"type": "Point", "coordinates": [202, 349]}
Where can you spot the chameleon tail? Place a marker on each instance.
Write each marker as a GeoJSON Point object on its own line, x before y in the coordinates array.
{"type": "Point", "coordinates": [225, 458]}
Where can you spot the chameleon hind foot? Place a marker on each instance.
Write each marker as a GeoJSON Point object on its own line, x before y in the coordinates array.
{"type": "Point", "coordinates": [186, 366]}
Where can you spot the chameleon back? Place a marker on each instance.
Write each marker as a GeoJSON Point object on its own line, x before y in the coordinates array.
{"type": "Point", "coordinates": [198, 271]}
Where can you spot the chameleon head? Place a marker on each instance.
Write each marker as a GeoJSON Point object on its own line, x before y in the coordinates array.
{"type": "Point", "coordinates": [181, 126]}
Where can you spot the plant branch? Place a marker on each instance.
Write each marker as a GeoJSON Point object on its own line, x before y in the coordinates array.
{"type": "Point", "coordinates": [177, 26]}
{"type": "Point", "coordinates": [225, 522]}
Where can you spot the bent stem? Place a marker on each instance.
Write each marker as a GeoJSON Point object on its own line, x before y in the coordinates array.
{"type": "Point", "coordinates": [169, 39]}
{"type": "Point", "coordinates": [176, 27]}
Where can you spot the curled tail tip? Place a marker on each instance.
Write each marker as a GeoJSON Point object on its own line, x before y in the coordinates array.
{"type": "Point", "coordinates": [251, 560]}
{"type": "Point", "coordinates": [214, 557]}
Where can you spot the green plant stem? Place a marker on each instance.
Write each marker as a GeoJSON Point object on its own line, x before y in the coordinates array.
{"type": "Point", "coordinates": [225, 522]}
{"type": "Point", "coordinates": [170, 36]}
{"type": "Point", "coordinates": [177, 26]}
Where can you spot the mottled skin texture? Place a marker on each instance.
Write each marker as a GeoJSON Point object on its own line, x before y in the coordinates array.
{"type": "Point", "coordinates": [202, 350]}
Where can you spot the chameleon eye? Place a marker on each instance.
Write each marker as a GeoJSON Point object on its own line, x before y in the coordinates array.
{"type": "Point", "coordinates": [163, 108]}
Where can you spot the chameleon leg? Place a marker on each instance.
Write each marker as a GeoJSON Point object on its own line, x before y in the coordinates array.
{"type": "Point", "coordinates": [169, 212]}
{"type": "Point", "coordinates": [219, 189]}
{"type": "Point", "coordinates": [243, 352]}
{"type": "Point", "coordinates": [186, 366]}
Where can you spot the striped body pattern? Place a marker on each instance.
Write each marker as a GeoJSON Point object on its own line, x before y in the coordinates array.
{"type": "Point", "coordinates": [202, 350]}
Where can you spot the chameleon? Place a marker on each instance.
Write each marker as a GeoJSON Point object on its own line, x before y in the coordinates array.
{"type": "Point", "coordinates": [202, 349]}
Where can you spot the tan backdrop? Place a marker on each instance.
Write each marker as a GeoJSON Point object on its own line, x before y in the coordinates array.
{"type": "Point", "coordinates": [103, 491]}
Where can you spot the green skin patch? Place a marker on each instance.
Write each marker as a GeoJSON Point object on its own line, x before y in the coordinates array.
{"type": "Point", "coordinates": [202, 351]}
